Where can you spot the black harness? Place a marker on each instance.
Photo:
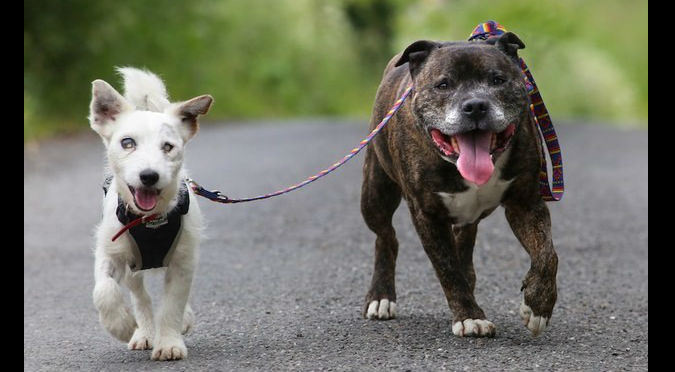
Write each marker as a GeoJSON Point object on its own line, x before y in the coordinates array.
{"type": "Point", "coordinates": [154, 240]}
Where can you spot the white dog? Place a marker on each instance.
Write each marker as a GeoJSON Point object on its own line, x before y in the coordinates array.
{"type": "Point", "coordinates": [145, 137]}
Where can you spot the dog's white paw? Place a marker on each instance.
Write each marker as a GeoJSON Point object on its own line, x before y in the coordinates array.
{"type": "Point", "coordinates": [169, 348]}
{"type": "Point", "coordinates": [141, 340]}
{"type": "Point", "coordinates": [474, 328]}
{"type": "Point", "coordinates": [536, 324]}
{"type": "Point", "coordinates": [382, 309]}
{"type": "Point", "coordinates": [121, 324]}
{"type": "Point", "coordinates": [112, 312]}
{"type": "Point", "coordinates": [188, 320]}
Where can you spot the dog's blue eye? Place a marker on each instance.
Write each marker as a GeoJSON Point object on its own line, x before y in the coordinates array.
{"type": "Point", "coordinates": [128, 143]}
{"type": "Point", "coordinates": [167, 147]}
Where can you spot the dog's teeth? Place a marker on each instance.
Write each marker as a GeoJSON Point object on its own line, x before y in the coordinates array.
{"type": "Point", "coordinates": [455, 146]}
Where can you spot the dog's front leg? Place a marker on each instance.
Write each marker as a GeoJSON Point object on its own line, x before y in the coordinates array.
{"type": "Point", "coordinates": [142, 338]}
{"type": "Point", "coordinates": [531, 223]}
{"type": "Point", "coordinates": [437, 238]}
{"type": "Point", "coordinates": [465, 239]}
{"type": "Point", "coordinates": [113, 312]}
{"type": "Point", "coordinates": [169, 344]}
{"type": "Point", "coordinates": [380, 197]}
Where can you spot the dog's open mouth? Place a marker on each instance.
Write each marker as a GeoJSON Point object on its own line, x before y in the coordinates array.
{"type": "Point", "coordinates": [145, 198]}
{"type": "Point", "coordinates": [474, 150]}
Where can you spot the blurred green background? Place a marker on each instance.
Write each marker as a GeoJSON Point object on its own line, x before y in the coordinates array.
{"type": "Point", "coordinates": [311, 58]}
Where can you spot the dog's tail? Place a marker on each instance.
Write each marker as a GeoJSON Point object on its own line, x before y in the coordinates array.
{"type": "Point", "coordinates": [144, 89]}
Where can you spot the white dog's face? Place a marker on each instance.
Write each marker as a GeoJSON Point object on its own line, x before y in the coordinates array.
{"type": "Point", "coordinates": [145, 148]}
{"type": "Point", "coordinates": [145, 153]}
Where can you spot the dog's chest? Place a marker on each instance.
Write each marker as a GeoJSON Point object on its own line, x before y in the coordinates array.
{"type": "Point", "coordinates": [467, 206]}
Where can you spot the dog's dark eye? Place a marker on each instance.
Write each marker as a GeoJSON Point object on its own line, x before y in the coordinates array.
{"type": "Point", "coordinates": [443, 85]}
{"type": "Point", "coordinates": [497, 80]}
{"type": "Point", "coordinates": [128, 143]}
{"type": "Point", "coordinates": [167, 147]}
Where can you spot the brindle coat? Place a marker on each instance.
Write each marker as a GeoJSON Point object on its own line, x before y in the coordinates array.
{"type": "Point", "coordinates": [404, 162]}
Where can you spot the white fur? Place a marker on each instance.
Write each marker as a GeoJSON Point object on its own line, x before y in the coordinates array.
{"type": "Point", "coordinates": [453, 114]}
{"type": "Point", "coordinates": [144, 89]}
{"type": "Point", "coordinates": [382, 309]}
{"type": "Point", "coordinates": [535, 323]}
{"type": "Point", "coordinates": [499, 114]}
{"type": "Point", "coordinates": [474, 328]}
{"type": "Point", "coordinates": [468, 205]}
{"type": "Point", "coordinates": [146, 116]}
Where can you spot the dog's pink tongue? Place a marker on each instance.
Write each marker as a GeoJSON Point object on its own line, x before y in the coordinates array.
{"type": "Point", "coordinates": [146, 198]}
{"type": "Point", "coordinates": [475, 163]}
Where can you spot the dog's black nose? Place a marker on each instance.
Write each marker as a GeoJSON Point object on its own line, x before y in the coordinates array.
{"type": "Point", "coordinates": [149, 177]}
{"type": "Point", "coordinates": [475, 108]}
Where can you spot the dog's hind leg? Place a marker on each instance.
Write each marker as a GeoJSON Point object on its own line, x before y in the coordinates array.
{"type": "Point", "coordinates": [142, 338]}
{"type": "Point", "coordinates": [113, 312]}
{"type": "Point", "coordinates": [531, 224]}
{"type": "Point", "coordinates": [380, 197]}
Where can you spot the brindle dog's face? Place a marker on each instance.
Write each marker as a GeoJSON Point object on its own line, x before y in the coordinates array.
{"type": "Point", "coordinates": [469, 99]}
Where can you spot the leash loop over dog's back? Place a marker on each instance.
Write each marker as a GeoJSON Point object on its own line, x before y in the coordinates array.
{"type": "Point", "coordinates": [540, 115]}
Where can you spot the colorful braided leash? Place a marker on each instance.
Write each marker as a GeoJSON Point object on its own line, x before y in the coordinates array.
{"type": "Point", "coordinates": [537, 108]}
{"type": "Point", "coordinates": [540, 115]}
{"type": "Point", "coordinates": [220, 198]}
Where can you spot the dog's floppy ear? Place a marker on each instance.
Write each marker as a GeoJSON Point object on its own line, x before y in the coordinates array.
{"type": "Point", "coordinates": [106, 105]}
{"type": "Point", "coordinates": [416, 53]}
{"type": "Point", "coordinates": [509, 43]}
{"type": "Point", "coordinates": [188, 113]}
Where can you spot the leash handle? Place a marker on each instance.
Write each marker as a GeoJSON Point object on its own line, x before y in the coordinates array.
{"type": "Point", "coordinates": [218, 197]}
{"type": "Point", "coordinates": [540, 115]}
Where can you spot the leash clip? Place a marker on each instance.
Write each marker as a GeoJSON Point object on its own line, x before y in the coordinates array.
{"type": "Point", "coordinates": [213, 195]}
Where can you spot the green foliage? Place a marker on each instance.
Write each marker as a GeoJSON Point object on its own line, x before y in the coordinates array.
{"type": "Point", "coordinates": [284, 58]}
{"type": "Point", "coordinates": [589, 57]}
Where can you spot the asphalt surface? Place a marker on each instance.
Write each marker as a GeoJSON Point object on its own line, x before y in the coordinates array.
{"type": "Point", "coordinates": [281, 282]}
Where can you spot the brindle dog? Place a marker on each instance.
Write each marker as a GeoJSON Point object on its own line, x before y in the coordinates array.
{"type": "Point", "coordinates": [460, 146]}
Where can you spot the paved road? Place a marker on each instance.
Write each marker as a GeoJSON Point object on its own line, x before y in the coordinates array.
{"type": "Point", "coordinates": [281, 282]}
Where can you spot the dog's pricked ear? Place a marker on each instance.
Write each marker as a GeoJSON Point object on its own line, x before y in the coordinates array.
{"type": "Point", "coordinates": [189, 111]}
{"type": "Point", "coordinates": [416, 53]}
{"type": "Point", "coordinates": [106, 105]}
{"type": "Point", "coordinates": [509, 43]}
